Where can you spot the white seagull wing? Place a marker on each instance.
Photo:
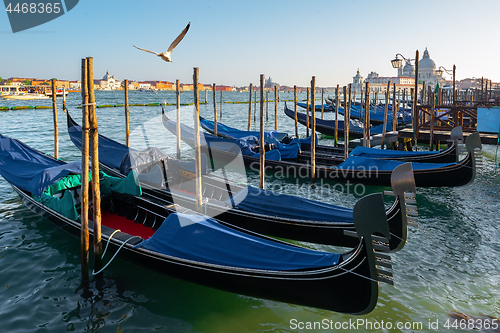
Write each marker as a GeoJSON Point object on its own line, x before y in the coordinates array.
{"type": "Point", "coordinates": [145, 50]}
{"type": "Point", "coordinates": [178, 39]}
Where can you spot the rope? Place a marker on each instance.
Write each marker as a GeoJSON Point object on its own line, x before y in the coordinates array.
{"type": "Point", "coordinates": [89, 104]}
{"type": "Point", "coordinates": [112, 258]}
{"type": "Point", "coordinates": [365, 277]}
{"type": "Point", "coordinates": [496, 153]}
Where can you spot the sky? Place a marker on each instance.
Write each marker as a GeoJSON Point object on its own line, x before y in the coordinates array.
{"type": "Point", "coordinates": [233, 42]}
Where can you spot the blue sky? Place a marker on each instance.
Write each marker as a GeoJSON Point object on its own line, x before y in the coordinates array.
{"type": "Point", "coordinates": [233, 42]}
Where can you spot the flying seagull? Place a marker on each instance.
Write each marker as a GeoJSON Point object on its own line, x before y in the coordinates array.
{"type": "Point", "coordinates": [166, 55]}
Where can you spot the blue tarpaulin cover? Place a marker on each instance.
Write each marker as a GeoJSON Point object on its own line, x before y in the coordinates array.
{"type": "Point", "coordinates": [123, 158]}
{"type": "Point", "coordinates": [355, 126]}
{"type": "Point", "coordinates": [235, 146]}
{"type": "Point", "coordinates": [231, 132]}
{"type": "Point", "coordinates": [384, 153]}
{"type": "Point", "coordinates": [269, 203]}
{"type": "Point", "coordinates": [203, 239]}
{"type": "Point", "coordinates": [111, 152]}
{"type": "Point", "coordinates": [287, 151]}
{"type": "Point", "coordinates": [364, 163]}
{"type": "Point", "coordinates": [30, 170]}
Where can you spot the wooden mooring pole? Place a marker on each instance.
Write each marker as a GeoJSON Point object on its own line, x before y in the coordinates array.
{"type": "Point", "coordinates": [267, 105]}
{"type": "Point", "coordinates": [214, 90]}
{"type": "Point", "coordinates": [127, 133]}
{"type": "Point", "coordinates": [384, 130]}
{"type": "Point", "coordinates": [295, 108]}
{"type": "Point", "coordinates": [249, 127]}
{"type": "Point", "coordinates": [394, 109]}
{"type": "Point", "coordinates": [178, 124]}
{"type": "Point", "coordinates": [197, 145]}
{"type": "Point", "coordinates": [215, 115]}
{"type": "Point", "coordinates": [64, 99]}
{"type": "Point", "coordinates": [262, 142]}
{"type": "Point", "coordinates": [431, 134]}
{"type": "Point", "coordinates": [322, 102]}
{"type": "Point", "coordinates": [220, 104]}
{"type": "Point", "coordinates": [347, 119]}
{"type": "Point", "coordinates": [255, 105]}
{"type": "Point", "coordinates": [56, 126]}
{"type": "Point", "coordinates": [84, 216]}
{"type": "Point", "coordinates": [275, 107]}
{"type": "Point", "coordinates": [337, 101]}
{"type": "Point", "coordinates": [367, 114]}
{"type": "Point", "coordinates": [313, 131]}
{"type": "Point", "coordinates": [307, 104]}
{"type": "Point", "coordinates": [96, 190]}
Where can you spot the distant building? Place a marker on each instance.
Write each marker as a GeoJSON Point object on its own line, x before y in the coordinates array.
{"type": "Point", "coordinates": [76, 85]}
{"type": "Point", "coordinates": [269, 84]}
{"type": "Point", "coordinates": [357, 83]}
{"type": "Point", "coordinates": [108, 82]}
{"type": "Point", "coordinates": [427, 71]}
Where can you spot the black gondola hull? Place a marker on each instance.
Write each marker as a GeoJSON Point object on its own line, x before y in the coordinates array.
{"type": "Point", "coordinates": [331, 288]}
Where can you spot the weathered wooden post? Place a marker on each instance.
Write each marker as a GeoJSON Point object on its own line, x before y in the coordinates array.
{"type": "Point", "coordinates": [64, 99]}
{"type": "Point", "coordinates": [249, 127]}
{"type": "Point", "coordinates": [322, 102]}
{"type": "Point", "coordinates": [414, 109]}
{"type": "Point", "coordinates": [56, 126]}
{"type": "Point", "coordinates": [307, 104]}
{"type": "Point", "coordinates": [295, 108]}
{"type": "Point", "coordinates": [313, 131]}
{"type": "Point", "coordinates": [394, 109]}
{"type": "Point", "coordinates": [431, 134]}
{"type": "Point", "coordinates": [347, 121]}
{"type": "Point", "coordinates": [262, 142]}
{"type": "Point", "coordinates": [214, 91]}
{"type": "Point", "coordinates": [197, 144]}
{"type": "Point", "coordinates": [215, 115]}
{"type": "Point", "coordinates": [178, 123]}
{"type": "Point", "coordinates": [367, 114]}
{"type": "Point", "coordinates": [423, 94]}
{"type": "Point", "coordinates": [267, 105]}
{"type": "Point", "coordinates": [84, 216]}
{"type": "Point", "coordinates": [275, 107]}
{"type": "Point", "coordinates": [384, 130]}
{"type": "Point", "coordinates": [337, 101]}
{"type": "Point", "coordinates": [255, 105]}
{"type": "Point", "coordinates": [96, 190]}
{"type": "Point", "coordinates": [221, 104]}
{"type": "Point", "coordinates": [206, 93]}
{"type": "Point", "coordinates": [404, 107]}
{"type": "Point", "coordinates": [127, 131]}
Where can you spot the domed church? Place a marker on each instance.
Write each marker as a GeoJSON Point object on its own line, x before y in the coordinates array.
{"type": "Point", "coordinates": [426, 71]}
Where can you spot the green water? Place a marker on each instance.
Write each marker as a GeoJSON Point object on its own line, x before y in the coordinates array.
{"type": "Point", "coordinates": [451, 262]}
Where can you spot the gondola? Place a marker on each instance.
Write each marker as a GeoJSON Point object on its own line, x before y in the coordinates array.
{"type": "Point", "coordinates": [201, 250]}
{"type": "Point", "coordinates": [354, 170]}
{"type": "Point", "coordinates": [327, 127]}
{"type": "Point", "coordinates": [448, 155]}
{"type": "Point", "coordinates": [317, 108]}
{"type": "Point", "coordinates": [377, 114]}
{"type": "Point", "coordinates": [262, 211]}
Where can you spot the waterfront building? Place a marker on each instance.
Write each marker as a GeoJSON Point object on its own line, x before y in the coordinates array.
{"type": "Point", "coordinates": [357, 83]}
{"type": "Point", "coordinates": [427, 71]}
{"type": "Point", "coordinates": [108, 82]}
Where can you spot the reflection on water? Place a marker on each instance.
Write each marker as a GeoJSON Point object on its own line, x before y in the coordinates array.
{"type": "Point", "coordinates": [451, 262]}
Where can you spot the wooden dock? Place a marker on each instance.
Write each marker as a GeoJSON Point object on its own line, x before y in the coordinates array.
{"type": "Point", "coordinates": [443, 135]}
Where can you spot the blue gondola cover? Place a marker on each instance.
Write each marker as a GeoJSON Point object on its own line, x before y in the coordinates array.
{"type": "Point", "coordinates": [200, 238]}
{"type": "Point", "coordinates": [28, 169]}
{"type": "Point", "coordinates": [269, 203]}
